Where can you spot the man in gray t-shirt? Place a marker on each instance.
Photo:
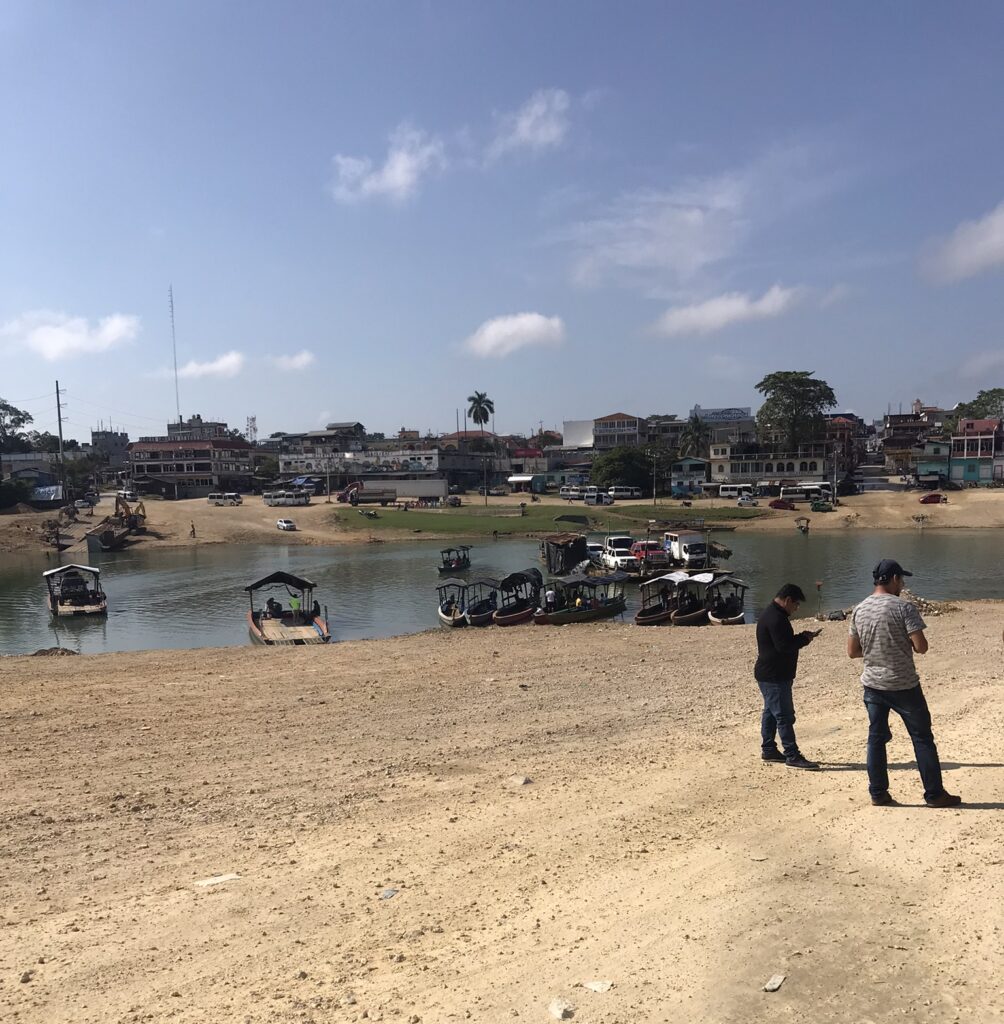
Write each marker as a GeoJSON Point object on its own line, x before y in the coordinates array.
{"type": "Point", "coordinates": [887, 631]}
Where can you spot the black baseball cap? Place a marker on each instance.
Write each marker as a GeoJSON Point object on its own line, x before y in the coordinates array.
{"type": "Point", "coordinates": [886, 569]}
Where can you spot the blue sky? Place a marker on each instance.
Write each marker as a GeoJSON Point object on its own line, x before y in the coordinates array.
{"type": "Point", "coordinates": [369, 210]}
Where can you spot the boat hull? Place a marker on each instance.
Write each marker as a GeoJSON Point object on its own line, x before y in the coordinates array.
{"type": "Point", "coordinates": [453, 619]}
{"type": "Point", "coordinates": [480, 614]}
{"type": "Point", "coordinates": [567, 616]}
{"type": "Point", "coordinates": [653, 616]}
{"type": "Point", "coordinates": [728, 620]}
{"type": "Point", "coordinates": [698, 618]}
{"type": "Point", "coordinates": [449, 570]}
{"type": "Point", "coordinates": [63, 611]}
{"type": "Point", "coordinates": [307, 634]}
{"type": "Point", "coordinates": [513, 618]}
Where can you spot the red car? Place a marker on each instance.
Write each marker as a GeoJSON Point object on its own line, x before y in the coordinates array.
{"type": "Point", "coordinates": [933, 499]}
{"type": "Point", "coordinates": [783, 504]}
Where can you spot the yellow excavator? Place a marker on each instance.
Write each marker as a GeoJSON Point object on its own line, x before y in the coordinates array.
{"type": "Point", "coordinates": [133, 517]}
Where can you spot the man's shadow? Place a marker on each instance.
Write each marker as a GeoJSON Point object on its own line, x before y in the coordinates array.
{"type": "Point", "coordinates": [948, 766]}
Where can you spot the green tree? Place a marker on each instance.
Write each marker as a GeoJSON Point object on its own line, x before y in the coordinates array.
{"type": "Point", "coordinates": [43, 441]}
{"type": "Point", "coordinates": [623, 467]}
{"type": "Point", "coordinates": [481, 409]}
{"type": "Point", "coordinates": [12, 423]}
{"type": "Point", "coordinates": [695, 438]}
{"type": "Point", "coordinates": [544, 439]}
{"type": "Point", "coordinates": [986, 405]}
{"type": "Point", "coordinates": [793, 407]}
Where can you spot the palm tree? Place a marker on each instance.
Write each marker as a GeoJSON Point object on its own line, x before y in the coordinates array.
{"type": "Point", "coordinates": [481, 408]}
{"type": "Point", "coordinates": [695, 437]}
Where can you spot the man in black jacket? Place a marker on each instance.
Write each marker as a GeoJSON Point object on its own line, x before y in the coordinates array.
{"type": "Point", "coordinates": [776, 665]}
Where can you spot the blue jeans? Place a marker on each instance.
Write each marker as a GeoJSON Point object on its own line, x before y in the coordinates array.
{"type": "Point", "coordinates": [911, 706]}
{"type": "Point", "coordinates": [778, 718]}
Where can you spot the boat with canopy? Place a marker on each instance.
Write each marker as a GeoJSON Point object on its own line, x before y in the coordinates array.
{"type": "Point", "coordinates": [580, 598]}
{"type": "Point", "coordinates": [75, 590]}
{"type": "Point", "coordinates": [518, 597]}
{"type": "Point", "coordinates": [296, 624]}
{"type": "Point", "coordinates": [659, 598]}
{"type": "Point", "coordinates": [726, 599]}
{"type": "Point", "coordinates": [452, 605]}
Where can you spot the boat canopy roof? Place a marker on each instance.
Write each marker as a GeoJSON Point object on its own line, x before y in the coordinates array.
{"type": "Point", "coordinates": [485, 581]}
{"type": "Point", "coordinates": [70, 568]}
{"type": "Point", "coordinates": [446, 584]}
{"type": "Point", "coordinates": [673, 577]}
{"type": "Point", "coordinates": [734, 580]}
{"type": "Point", "coordinates": [700, 577]}
{"type": "Point", "coordinates": [517, 579]}
{"type": "Point", "coordinates": [297, 582]}
{"type": "Point", "coordinates": [459, 547]}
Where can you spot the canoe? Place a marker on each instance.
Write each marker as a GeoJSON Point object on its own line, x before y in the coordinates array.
{"type": "Point", "coordinates": [454, 617]}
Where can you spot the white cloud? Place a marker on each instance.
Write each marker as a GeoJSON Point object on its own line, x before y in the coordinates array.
{"type": "Point", "coordinates": [981, 364]}
{"type": "Point", "coordinates": [661, 236]}
{"type": "Point", "coordinates": [56, 335]}
{"type": "Point", "coordinates": [667, 241]}
{"type": "Point", "coordinates": [227, 365]}
{"type": "Point", "coordinates": [541, 123]}
{"type": "Point", "coordinates": [299, 361]}
{"type": "Point", "coordinates": [974, 246]}
{"type": "Point", "coordinates": [724, 310]}
{"type": "Point", "coordinates": [411, 155]}
{"type": "Point", "coordinates": [506, 334]}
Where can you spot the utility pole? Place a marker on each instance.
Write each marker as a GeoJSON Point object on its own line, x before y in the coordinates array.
{"type": "Point", "coordinates": [484, 465]}
{"type": "Point", "coordinates": [59, 420]}
{"type": "Point", "coordinates": [654, 461]}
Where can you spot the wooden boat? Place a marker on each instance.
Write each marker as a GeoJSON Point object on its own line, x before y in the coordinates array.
{"type": "Point", "coordinates": [482, 600]}
{"type": "Point", "coordinates": [659, 598]}
{"type": "Point", "coordinates": [455, 559]}
{"type": "Point", "coordinates": [802, 524]}
{"type": "Point", "coordinates": [298, 625]}
{"type": "Point", "coordinates": [519, 593]}
{"type": "Point", "coordinates": [692, 607]}
{"type": "Point", "coordinates": [452, 607]}
{"type": "Point", "coordinates": [581, 598]}
{"type": "Point", "coordinates": [75, 590]}
{"type": "Point", "coordinates": [726, 600]}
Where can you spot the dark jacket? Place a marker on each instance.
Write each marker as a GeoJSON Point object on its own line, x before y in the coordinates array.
{"type": "Point", "coordinates": [777, 646]}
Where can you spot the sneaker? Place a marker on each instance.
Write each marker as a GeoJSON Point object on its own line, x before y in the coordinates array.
{"type": "Point", "coordinates": [944, 800]}
{"type": "Point", "coordinates": [798, 761]}
{"type": "Point", "coordinates": [882, 799]}
{"type": "Point", "coordinates": [772, 755]}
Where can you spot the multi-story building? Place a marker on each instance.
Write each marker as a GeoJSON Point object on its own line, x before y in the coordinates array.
{"type": "Point", "coordinates": [978, 451]}
{"type": "Point", "coordinates": [112, 447]}
{"type": "Point", "coordinates": [195, 428]}
{"type": "Point", "coordinates": [743, 464]}
{"type": "Point", "coordinates": [618, 430]}
{"type": "Point", "coordinates": [728, 424]}
{"type": "Point", "coordinates": [688, 475]}
{"type": "Point", "coordinates": [665, 430]}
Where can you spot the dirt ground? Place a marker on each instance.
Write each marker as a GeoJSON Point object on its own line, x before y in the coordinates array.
{"type": "Point", "coordinates": [253, 522]}
{"type": "Point", "coordinates": [394, 864]}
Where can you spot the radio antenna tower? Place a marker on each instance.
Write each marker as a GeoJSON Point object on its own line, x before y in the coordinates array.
{"type": "Point", "coordinates": [174, 349]}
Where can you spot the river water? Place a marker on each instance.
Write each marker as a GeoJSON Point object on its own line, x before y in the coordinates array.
{"type": "Point", "coordinates": [194, 597]}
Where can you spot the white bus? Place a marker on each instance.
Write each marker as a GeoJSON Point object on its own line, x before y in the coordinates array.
{"type": "Point", "coordinates": [808, 491]}
{"type": "Point", "coordinates": [736, 491]}
{"type": "Point", "coordinates": [294, 497]}
{"type": "Point", "coordinates": [229, 498]}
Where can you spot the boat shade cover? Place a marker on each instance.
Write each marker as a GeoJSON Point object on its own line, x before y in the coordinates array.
{"type": "Point", "coordinates": [674, 577]}
{"type": "Point", "coordinates": [446, 584]}
{"type": "Point", "coordinates": [67, 568]}
{"type": "Point", "coordinates": [702, 577]}
{"type": "Point", "coordinates": [296, 582]}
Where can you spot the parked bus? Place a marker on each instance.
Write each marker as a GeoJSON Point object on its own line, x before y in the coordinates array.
{"type": "Point", "coordinates": [294, 497]}
{"type": "Point", "coordinates": [228, 498]}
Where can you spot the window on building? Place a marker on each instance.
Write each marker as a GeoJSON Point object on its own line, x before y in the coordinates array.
{"type": "Point", "coordinates": [812, 467]}
{"type": "Point", "coordinates": [790, 468]}
{"type": "Point", "coordinates": [803, 467]}
{"type": "Point", "coordinates": [721, 469]}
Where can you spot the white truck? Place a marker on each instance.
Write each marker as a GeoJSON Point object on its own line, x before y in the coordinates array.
{"type": "Point", "coordinates": [687, 548]}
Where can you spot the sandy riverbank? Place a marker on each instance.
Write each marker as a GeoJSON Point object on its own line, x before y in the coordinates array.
{"type": "Point", "coordinates": [253, 522]}
{"type": "Point", "coordinates": [651, 849]}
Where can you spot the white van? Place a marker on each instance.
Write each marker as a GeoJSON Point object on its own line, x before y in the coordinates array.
{"type": "Point", "coordinates": [620, 492]}
{"type": "Point", "coordinates": [232, 498]}
{"type": "Point", "coordinates": [215, 498]}
{"type": "Point", "coordinates": [128, 495]}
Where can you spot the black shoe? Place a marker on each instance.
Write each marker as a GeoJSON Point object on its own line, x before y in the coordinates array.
{"type": "Point", "coordinates": [798, 761]}
{"type": "Point", "coordinates": [944, 800]}
{"type": "Point", "coordinates": [882, 799]}
{"type": "Point", "coordinates": [772, 755]}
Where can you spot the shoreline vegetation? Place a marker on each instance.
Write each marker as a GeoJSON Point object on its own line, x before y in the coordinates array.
{"type": "Point", "coordinates": [436, 827]}
{"type": "Point", "coordinates": [169, 522]}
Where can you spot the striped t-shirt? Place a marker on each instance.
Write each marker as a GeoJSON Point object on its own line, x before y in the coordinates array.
{"type": "Point", "coordinates": [883, 624]}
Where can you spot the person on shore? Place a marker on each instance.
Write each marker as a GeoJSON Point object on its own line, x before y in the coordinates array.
{"type": "Point", "coordinates": [887, 631]}
{"type": "Point", "coordinates": [775, 669]}
{"type": "Point", "coordinates": [191, 532]}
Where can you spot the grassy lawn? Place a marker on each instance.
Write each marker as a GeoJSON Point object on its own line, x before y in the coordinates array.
{"type": "Point", "coordinates": [478, 521]}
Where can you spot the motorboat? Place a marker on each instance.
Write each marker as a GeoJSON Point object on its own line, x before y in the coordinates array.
{"type": "Point", "coordinates": [581, 598]}
{"type": "Point", "coordinates": [297, 624]}
{"type": "Point", "coordinates": [455, 559]}
{"type": "Point", "coordinates": [726, 600]}
{"type": "Point", "coordinates": [518, 597]}
{"type": "Point", "coordinates": [452, 606]}
{"type": "Point", "coordinates": [659, 598]}
{"type": "Point", "coordinates": [692, 606]}
{"type": "Point", "coordinates": [482, 600]}
{"type": "Point", "coordinates": [75, 590]}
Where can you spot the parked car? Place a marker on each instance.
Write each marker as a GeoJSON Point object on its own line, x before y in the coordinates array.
{"type": "Point", "coordinates": [285, 524]}
{"type": "Point", "coordinates": [746, 502]}
{"type": "Point", "coordinates": [83, 503]}
{"type": "Point", "coordinates": [453, 501]}
{"type": "Point", "coordinates": [933, 499]}
{"type": "Point", "coordinates": [783, 504]}
{"type": "Point", "coordinates": [497, 492]}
